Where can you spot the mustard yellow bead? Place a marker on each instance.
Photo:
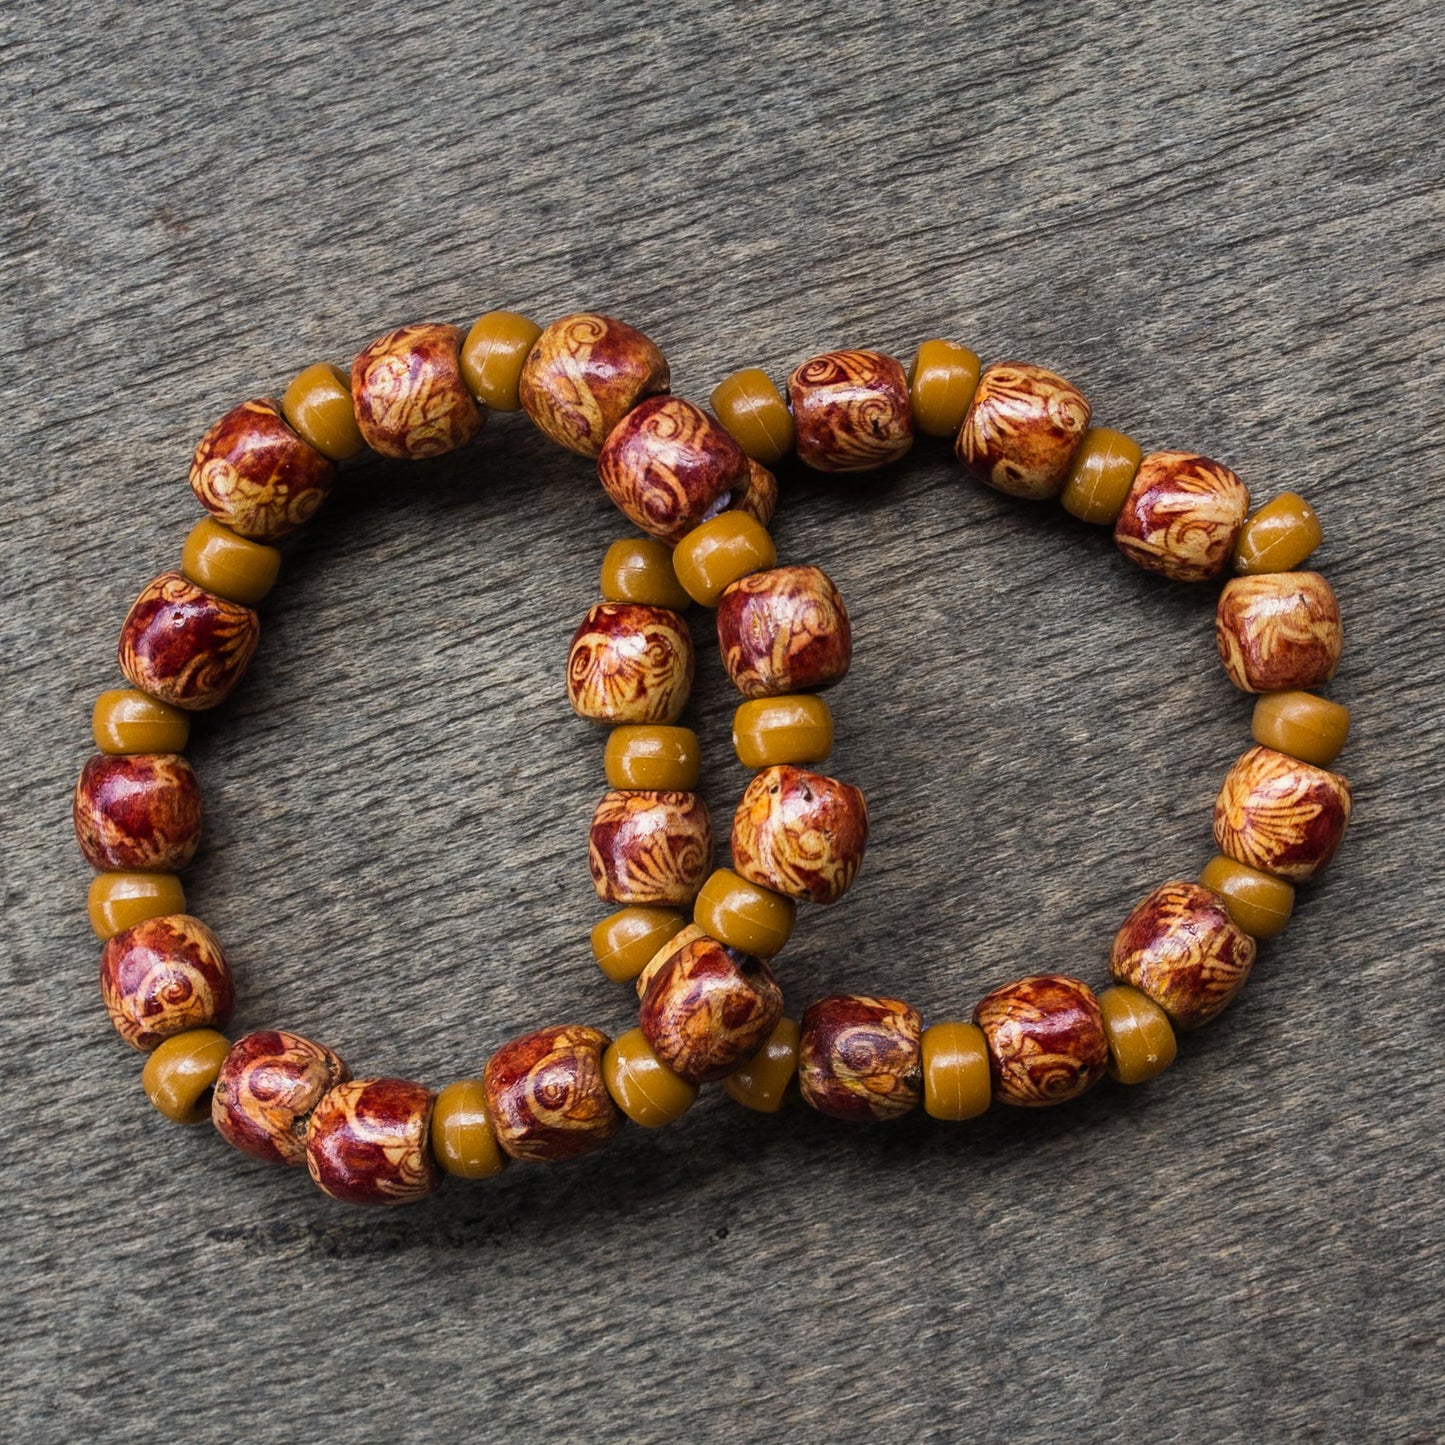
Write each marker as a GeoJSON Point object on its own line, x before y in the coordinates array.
{"type": "Point", "coordinates": [119, 901]}
{"type": "Point", "coordinates": [1259, 903]}
{"type": "Point", "coordinates": [1100, 476]}
{"type": "Point", "coordinates": [1302, 724]}
{"type": "Point", "coordinates": [318, 408]}
{"type": "Point", "coordinates": [744, 915]}
{"type": "Point", "coordinates": [492, 357]}
{"type": "Point", "coordinates": [462, 1137]}
{"type": "Point", "coordinates": [1141, 1038]}
{"type": "Point", "coordinates": [179, 1075]}
{"type": "Point", "coordinates": [125, 720]}
{"type": "Point", "coordinates": [644, 1088]}
{"type": "Point", "coordinates": [956, 1080]}
{"type": "Point", "coordinates": [795, 728]}
{"type": "Point", "coordinates": [233, 567]}
{"type": "Point", "coordinates": [762, 1082]}
{"type": "Point", "coordinates": [639, 569]}
{"type": "Point", "coordinates": [652, 756]}
{"type": "Point", "coordinates": [712, 556]}
{"type": "Point", "coordinates": [1278, 537]}
{"type": "Point", "coordinates": [752, 409]}
{"type": "Point", "coordinates": [941, 384]}
{"type": "Point", "coordinates": [624, 942]}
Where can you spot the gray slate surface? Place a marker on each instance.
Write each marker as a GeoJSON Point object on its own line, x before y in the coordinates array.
{"type": "Point", "coordinates": [1222, 221]}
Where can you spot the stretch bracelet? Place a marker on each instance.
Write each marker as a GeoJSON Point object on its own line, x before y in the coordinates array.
{"type": "Point", "coordinates": [697, 943]}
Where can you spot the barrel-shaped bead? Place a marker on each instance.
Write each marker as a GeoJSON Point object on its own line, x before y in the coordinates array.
{"type": "Point", "coordinates": [138, 812]}
{"type": "Point", "coordinates": [800, 833]}
{"type": "Point", "coordinates": [851, 411]}
{"type": "Point", "coordinates": [649, 847]}
{"type": "Point", "coordinates": [1280, 815]}
{"type": "Point", "coordinates": [411, 400]}
{"type": "Point", "coordinates": [271, 1082]}
{"type": "Point", "coordinates": [784, 630]}
{"type": "Point", "coordinates": [368, 1141]}
{"type": "Point", "coordinates": [861, 1058]}
{"type": "Point", "coordinates": [1046, 1040]}
{"type": "Point", "coordinates": [1022, 430]}
{"type": "Point", "coordinates": [546, 1094]}
{"type": "Point", "coordinates": [1182, 516]}
{"type": "Point", "coordinates": [164, 976]}
{"type": "Point", "coordinates": [1278, 631]}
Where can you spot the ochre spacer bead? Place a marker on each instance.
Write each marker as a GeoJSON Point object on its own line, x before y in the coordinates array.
{"type": "Point", "coordinates": [1305, 726]}
{"type": "Point", "coordinates": [956, 1077]}
{"type": "Point", "coordinates": [762, 1082]}
{"type": "Point", "coordinates": [492, 357]}
{"type": "Point", "coordinates": [800, 833]}
{"type": "Point", "coordinates": [793, 729]}
{"type": "Point", "coordinates": [941, 383]}
{"type": "Point", "coordinates": [715, 554]}
{"type": "Point", "coordinates": [462, 1137]}
{"type": "Point", "coordinates": [643, 1087]}
{"type": "Point", "coordinates": [1101, 475]}
{"type": "Point", "coordinates": [784, 630]}
{"type": "Point", "coordinates": [1182, 516]}
{"type": "Point", "coordinates": [1258, 902]}
{"type": "Point", "coordinates": [652, 756]}
{"type": "Point", "coordinates": [125, 720]}
{"type": "Point", "coordinates": [230, 566]}
{"type": "Point", "coordinates": [1141, 1038]}
{"type": "Point", "coordinates": [179, 1075]}
{"type": "Point", "coordinates": [860, 1058]}
{"type": "Point", "coordinates": [851, 411]}
{"type": "Point", "coordinates": [368, 1141]}
{"type": "Point", "coordinates": [639, 569]}
{"type": "Point", "coordinates": [1280, 815]}
{"type": "Point", "coordinates": [754, 412]}
{"type": "Point", "coordinates": [546, 1095]}
{"type": "Point", "coordinates": [1278, 537]}
{"type": "Point", "coordinates": [630, 664]}
{"type": "Point", "coordinates": [120, 900]}
{"type": "Point", "coordinates": [139, 812]}
{"type": "Point", "coordinates": [164, 976]}
{"type": "Point", "coordinates": [646, 846]}
{"type": "Point", "coordinates": [268, 1088]}
{"type": "Point", "coordinates": [1022, 429]}
{"type": "Point", "coordinates": [744, 915]}
{"type": "Point", "coordinates": [625, 942]}
{"type": "Point", "coordinates": [410, 399]}
{"type": "Point", "coordinates": [1278, 631]}
{"type": "Point", "coordinates": [319, 409]}
{"type": "Point", "coordinates": [1046, 1041]}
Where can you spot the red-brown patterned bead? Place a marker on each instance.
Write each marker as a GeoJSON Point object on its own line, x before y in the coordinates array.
{"type": "Point", "coordinates": [630, 663]}
{"type": "Point", "coordinates": [164, 976]}
{"type": "Point", "coordinates": [1046, 1039]}
{"type": "Point", "coordinates": [1022, 429]}
{"type": "Point", "coordinates": [709, 1008]}
{"type": "Point", "coordinates": [784, 630]}
{"type": "Point", "coordinates": [758, 495]}
{"type": "Point", "coordinates": [368, 1141]}
{"type": "Point", "coordinates": [861, 1058]}
{"type": "Point", "coordinates": [255, 475]}
{"type": "Point", "coordinates": [584, 373]}
{"type": "Point", "coordinates": [666, 464]}
{"type": "Point", "coordinates": [649, 847]}
{"type": "Point", "coordinates": [1181, 947]}
{"type": "Point", "coordinates": [546, 1094]}
{"type": "Point", "coordinates": [138, 812]}
{"type": "Point", "coordinates": [1182, 516]}
{"type": "Point", "coordinates": [851, 411]}
{"type": "Point", "coordinates": [801, 834]}
{"type": "Point", "coordinates": [184, 645]}
{"type": "Point", "coordinates": [410, 396]}
{"type": "Point", "coordinates": [266, 1092]}
{"type": "Point", "coordinates": [1278, 630]}
{"type": "Point", "coordinates": [1280, 815]}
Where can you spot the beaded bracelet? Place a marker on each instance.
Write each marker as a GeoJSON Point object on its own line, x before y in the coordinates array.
{"type": "Point", "coordinates": [698, 486]}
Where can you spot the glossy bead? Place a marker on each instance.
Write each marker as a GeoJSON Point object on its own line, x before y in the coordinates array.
{"type": "Point", "coordinates": [140, 812]}
{"type": "Point", "coordinates": [164, 976]}
{"type": "Point", "coordinates": [583, 374]}
{"type": "Point", "coordinates": [941, 383]}
{"type": "Point", "coordinates": [267, 1090]}
{"type": "Point", "coordinates": [784, 630]}
{"type": "Point", "coordinates": [861, 1058]}
{"type": "Point", "coordinates": [462, 1137]}
{"type": "Point", "coordinates": [643, 1087]}
{"type": "Point", "coordinates": [1141, 1039]}
{"type": "Point", "coordinates": [184, 645]}
{"type": "Point", "coordinates": [851, 411]}
{"type": "Point", "coordinates": [1101, 475]}
{"type": "Point", "coordinates": [253, 474]}
{"type": "Point", "coordinates": [754, 412]}
{"type": "Point", "coordinates": [546, 1094]}
{"type": "Point", "coordinates": [1259, 903]}
{"type": "Point", "coordinates": [319, 409]}
{"type": "Point", "coordinates": [956, 1076]}
{"type": "Point", "coordinates": [410, 399]}
{"type": "Point", "coordinates": [758, 496]}
{"type": "Point", "coordinates": [639, 569]}
{"type": "Point", "coordinates": [1046, 1040]}
{"type": "Point", "coordinates": [680, 940]}
{"type": "Point", "coordinates": [800, 833]}
{"type": "Point", "coordinates": [232, 567]}
{"type": "Point", "coordinates": [711, 557]}
{"type": "Point", "coordinates": [656, 758]}
{"type": "Point", "coordinates": [180, 1072]}
{"type": "Point", "coordinates": [1181, 948]}
{"type": "Point", "coordinates": [1278, 631]}
{"type": "Point", "coordinates": [630, 664]}
{"type": "Point", "coordinates": [624, 942]}
{"type": "Point", "coordinates": [744, 916]}
{"type": "Point", "coordinates": [1305, 726]}
{"type": "Point", "coordinates": [368, 1141]}
{"type": "Point", "coordinates": [1280, 815]}
{"type": "Point", "coordinates": [1022, 429]}
{"type": "Point", "coordinates": [1278, 537]}
{"type": "Point", "coordinates": [1182, 516]}
{"type": "Point", "coordinates": [127, 721]}
{"type": "Point", "coordinates": [492, 357]}
{"type": "Point", "coordinates": [762, 1082]}
{"type": "Point", "coordinates": [649, 847]}
{"type": "Point", "coordinates": [118, 901]}
{"type": "Point", "coordinates": [792, 729]}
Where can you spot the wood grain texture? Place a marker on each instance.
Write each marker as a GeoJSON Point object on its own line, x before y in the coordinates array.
{"type": "Point", "coordinates": [1222, 222]}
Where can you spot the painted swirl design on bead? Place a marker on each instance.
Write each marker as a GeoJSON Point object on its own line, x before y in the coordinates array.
{"type": "Point", "coordinates": [1280, 815]}
{"type": "Point", "coordinates": [164, 976]}
{"type": "Point", "coordinates": [1278, 630]}
{"type": "Point", "coordinates": [861, 1058]}
{"type": "Point", "coordinates": [368, 1142]}
{"type": "Point", "coordinates": [410, 398]}
{"type": "Point", "coordinates": [851, 411]}
{"type": "Point", "coordinates": [140, 811]}
{"type": "Point", "coordinates": [268, 1087]}
{"type": "Point", "coordinates": [630, 663]}
{"type": "Point", "coordinates": [1182, 516]}
{"type": "Point", "coordinates": [649, 847]}
{"type": "Point", "coordinates": [784, 630]}
{"type": "Point", "coordinates": [546, 1095]}
{"type": "Point", "coordinates": [1022, 429]}
{"type": "Point", "coordinates": [1046, 1040]}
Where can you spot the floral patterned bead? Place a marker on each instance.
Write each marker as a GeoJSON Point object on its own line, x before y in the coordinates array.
{"type": "Point", "coordinates": [799, 833]}
{"type": "Point", "coordinates": [630, 663]}
{"type": "Point", "coordinates": [851, 411]}
{"type": "Point", "coordinates": [1046, 1039]}
{"type": "Point", "coordinates": [138, 812]}
{"type": "Point", "coordinates": [267, 1090]}
{"type": "Point", "coordinates": [252, 473]}
{"type": "Point", "coordinates": [1278, 631]}
{"type": "Point", "coordinates": [546, 1094]}
{"type": "Point", "coordinates": [1280, 815]}
{"type": "Point", "coordinates": [649, 847]}
{"type": "Point", "coordinates": [368, 1141]}
{"type": "Point", "coordinates": [758, 495]}
{"type": "Point", "coordinates": [1022, 429]}
{"type": "Point", "coordinates": [784, 630]}
{"type": "Point", "coordinates": [410, 397]}
{"type": "Point", "coordinates": [164, 976]}
{"type": "Point", "coordinates": [861, 1058]}
{"type": "Point", "coordinates": [1182, 516]}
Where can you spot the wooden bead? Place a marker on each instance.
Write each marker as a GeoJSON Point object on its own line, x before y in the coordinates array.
{"type": "Point", "coordinates": [956, 1078]}
{"type": "Point", "coordinates": [708, 1008]}
{"type": "Point", "coordinates": [118, 901]}
{"type": "Point", "coordinates": [140, 812]}
{"type": "Point", "coordinates": [492, 357]}
{"type": "Point", "coordinates": [1046, 1040]}
{"type": "Point", "coordinates": [546, 1094]}
{"type": "Point", "coordinates": [184, 645]}
{"type": "Point", "coordinates": [1280, 815]}
{"type": "Point", "coordinates": [253, 474]}
{"type": "Point", "coordinates": [667, 464]}
{"type": "Point", "coordinates": [462, 1137]}
{"type": "Point", "coordinates": [127, 721]}
{"type": "Point", "coordinates": [680, 940]}
{"type": "Point", "coordinates": [644, 1088]}
{"type": "Point", "coordinates": [1278, 631]}
{"type": "Point", "coordinates": [267, 1090]}
{"type": "Point", "coordinates": [655, 758]}
{"type": "Point", "coordinates": [1182, 516]}
{"type": "Point", "coordinates": [368, 1141]}
{"type": "Point", "coordinates": [232, 567]}
{"type": "Point", "coordinates": [716, 553]}
{"type": "Point", "coordinates": [649, 847]}
{"type": "Point", "coordinates": [1181, 948]}
{"type": "Point", "coordinates": [800, 833]}
{"type": "Point", "coordinates": [1305, 726]}
{"type": "Point", "coordinates": [762, 1082]}
{"type": "Point", "coordinates": [319, 409]}
{"type": "Point", "coordinates": [164, 976]}
{"type": "Point", "coordinates": [630, 664]}
{"type": "Point", "coordinates": [792, 729]}
{"type": "Point", "coordinates": [861, 1058]}
{"type": "Point", "coordinates": [941, 383]}
{"type": "Point", "coordinates": [639, 569]}
{"type": "Point", "coordinates": [784, 630]}
{"type": "Point", "coordinates": [1022, 429]}
{"type": "Point", "coordinates": [178, 1075]}
{"type": "Point", "coordinates": [1278, 537]}
{"type": "Point", "coordinates": [1141, 1039]}
{"type": "Point", "coordinates": [1101, 475]}
{"type": "Point", "coordinates": [624, 942]}
{"type": "Point", "coordinates": [410, 399]}
{"type": "Point", "coordinates": [1258, 903]}
{"type": "Point", "coordinates": [744, 916]}
{"type": "Point", "coordinates": [583, 374]}
{"type": "Point", "coordinates": [851, 411]}
{"type": "Point", "coordinates": [754, 412]}
{"type": "Point", "coordinates": [758, 496]}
